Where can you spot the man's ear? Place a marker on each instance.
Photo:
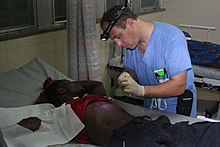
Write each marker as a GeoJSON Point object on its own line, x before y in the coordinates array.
{"type": "Point", "coordinates": [61, 90]}
{"type": "Point", "coordinates": [129, 22]}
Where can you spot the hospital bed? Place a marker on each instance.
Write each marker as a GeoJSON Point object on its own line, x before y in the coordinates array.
{"type": "Point", "coordinates": [205, 57]}
{"type": "Point", "coordinates": [19, 89]}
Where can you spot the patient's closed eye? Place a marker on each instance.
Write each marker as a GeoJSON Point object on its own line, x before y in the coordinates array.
{"type": "Point", "coordinates": [60, 90]}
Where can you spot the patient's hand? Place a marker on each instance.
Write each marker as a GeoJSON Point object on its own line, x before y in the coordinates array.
{"type": "Point", "coordinates": [48, 82]}
{"type": "Point", "coordinates": [31, 123]}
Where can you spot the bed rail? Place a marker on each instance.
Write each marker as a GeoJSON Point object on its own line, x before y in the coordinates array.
{"type": "Point", "coordinates": [189, 27]}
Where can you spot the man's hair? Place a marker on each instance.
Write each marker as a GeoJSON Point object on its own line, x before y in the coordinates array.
{"type": "Point", "coordinates": [108, 16]}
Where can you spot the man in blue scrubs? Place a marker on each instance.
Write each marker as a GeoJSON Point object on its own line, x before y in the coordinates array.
{"type": "Point", "coordinates": [157, 62]}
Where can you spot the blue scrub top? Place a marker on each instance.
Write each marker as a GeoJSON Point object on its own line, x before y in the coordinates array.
{"type": "Point", "coordinates": [167, 49]}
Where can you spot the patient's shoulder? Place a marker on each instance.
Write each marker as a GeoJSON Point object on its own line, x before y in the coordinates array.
{"type": "Point", "coordinates": [41, 98]}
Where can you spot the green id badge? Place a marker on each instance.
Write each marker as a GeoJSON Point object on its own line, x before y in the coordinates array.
{"type": "Point", "coordinates": [159, 72]}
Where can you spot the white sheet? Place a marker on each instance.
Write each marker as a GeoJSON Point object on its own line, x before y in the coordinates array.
{"type": "Point", "coordinates": [10, 116]}
{"type": "Point", "coordinates": [207, 72]}
{"type": "Point", "coordinates": [22, 86]}
{"type": "Point", "coordinates": [58, 126]}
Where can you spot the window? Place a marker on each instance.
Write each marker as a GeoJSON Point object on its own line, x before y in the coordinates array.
{"type": "Point", "coordinates": [148, 4]}
{"type": "Point", "coordinates": [51, 13]}
{"type": "Point", "coordinates": [33, 15]}
{"type": "Point", "coordinates": [16, 14]}
{"type": "Point", "coordinates": [110, 3]}
{"type": "Point", "coordinates": [137, 6]}
{"type": "Point", "coordinates": [145, 5]}
{"type": "Point", "coordinates": [59, 10]}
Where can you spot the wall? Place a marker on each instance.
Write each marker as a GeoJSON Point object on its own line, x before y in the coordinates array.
{"type": "Point", "coordinates": [51, 47]}
{"type": "Point", "coordinates": [195, 12]}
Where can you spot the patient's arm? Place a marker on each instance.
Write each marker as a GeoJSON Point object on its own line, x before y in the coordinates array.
{"type": "Point", "coordinates": [31, 123]}
{"type": "Point", "coordinates": [93, 87]}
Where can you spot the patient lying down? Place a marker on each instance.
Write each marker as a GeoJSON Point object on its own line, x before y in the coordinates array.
{"type": "Point", "coordinates": [107, 124]}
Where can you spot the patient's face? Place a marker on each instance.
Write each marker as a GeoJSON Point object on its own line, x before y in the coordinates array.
{"type": "Point", "coordinates": [62, 91]}
{"type": "Point", "coordinates": [73, 88]}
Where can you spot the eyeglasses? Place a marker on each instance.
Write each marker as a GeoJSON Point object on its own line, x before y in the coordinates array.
{"type": "Point", "coordinates": [106, 33]}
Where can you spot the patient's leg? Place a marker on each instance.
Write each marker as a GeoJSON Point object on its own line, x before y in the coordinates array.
{"type": "Point", "coordinates": [31, 123]}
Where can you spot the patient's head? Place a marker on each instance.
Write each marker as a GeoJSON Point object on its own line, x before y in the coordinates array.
{"type": "Point", "coordinates": [62, 91]}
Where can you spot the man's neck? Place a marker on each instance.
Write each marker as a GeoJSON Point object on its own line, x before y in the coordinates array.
{"type": "Point", "coordinates": [145, 34]}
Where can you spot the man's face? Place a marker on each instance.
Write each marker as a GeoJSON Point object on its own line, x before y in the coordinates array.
{"type": "Point", "coordinates": [123, 37]}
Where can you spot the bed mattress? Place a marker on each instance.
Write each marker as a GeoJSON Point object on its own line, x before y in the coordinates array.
{"type": "Point", "coordinates": [207, 72]}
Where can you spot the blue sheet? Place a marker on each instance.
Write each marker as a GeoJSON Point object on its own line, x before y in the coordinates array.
{"type": "Point", "coordinates": [204, 53]}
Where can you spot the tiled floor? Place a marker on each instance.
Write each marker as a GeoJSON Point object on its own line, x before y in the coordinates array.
{"type": "Point", "coordinates": [206, 94]}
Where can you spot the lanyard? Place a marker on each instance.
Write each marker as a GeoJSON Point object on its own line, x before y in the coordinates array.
{"type": "Point", "coordinates": [156, 103]}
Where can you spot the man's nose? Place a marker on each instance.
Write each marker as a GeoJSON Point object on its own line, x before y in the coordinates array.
{"type": "Point", "coordinates": [119, 42]}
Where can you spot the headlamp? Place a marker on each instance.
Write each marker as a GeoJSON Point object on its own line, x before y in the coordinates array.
{"type": "Point", "coordinates": [106, 33]}
{"type": "Point", "coordinates": [104, 36]}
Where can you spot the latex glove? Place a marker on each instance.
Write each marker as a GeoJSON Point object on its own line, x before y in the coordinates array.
{"type": "Point", "coordinates": [129, 85]}
{"type": "Point", "coordinates": [124, 75]}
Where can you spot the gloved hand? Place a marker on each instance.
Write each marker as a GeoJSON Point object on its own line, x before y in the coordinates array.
{"type": "Point", "coordinates": [124, 75]}
{"type": "Point", "coordinates": [129, 85]}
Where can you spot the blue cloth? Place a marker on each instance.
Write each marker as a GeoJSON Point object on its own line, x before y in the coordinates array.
{"type": "Point", "coordinates": [204, 53]}
{"type": "Point", "coordinates": [167, 49]}
{"type": "Point", "coordinates": [143, 132]}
